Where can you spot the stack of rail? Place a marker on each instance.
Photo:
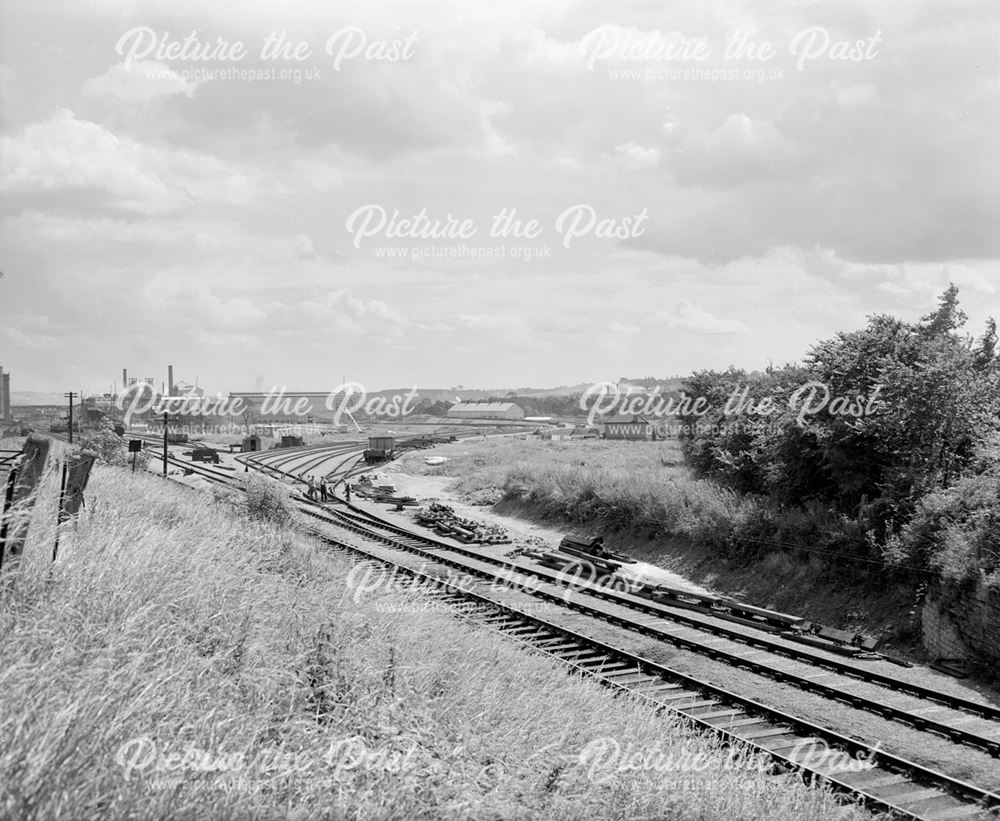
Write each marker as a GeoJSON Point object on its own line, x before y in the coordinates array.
{"type": "Point", "coordinates": [576, 554]}
{"type": "Point", "coordinates": [573, 552]}
{"type": "Point", "coordinates": [443, 520]}
{"type": "Point", "coordinates": [367, 488]}
{"type": "Point", "coordinates": [422, 442]}
{"type": "Point", "coordinates": [796, 628]}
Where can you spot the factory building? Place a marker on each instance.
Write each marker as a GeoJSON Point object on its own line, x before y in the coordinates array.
{"type": "Point", "coordinates": [486, 410]}
{"type": "Point", "coordinates": [4, 395]}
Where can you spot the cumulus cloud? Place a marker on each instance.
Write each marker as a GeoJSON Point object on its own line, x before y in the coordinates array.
{"type": "Point", "coordinates": [67, 160]}
{"type": "Point", "coordinates": [140, 82]}
{"type": "Point", "coordinates": [854, 96]}
{"type": "Point", "coordinates": [618, 329]}
{"type": "Point", "coordinates": [739, 150]}
{"type": "Point", "coordinates": [492, 322]}
{"type": "Point", "coordinates": [349, 313]}
{"type": "Point", "coordinates": [846, 188]}
{"type": "Point", "coordinates": [195, 303]}
{"type": "Point", "coordinates": [687, 316]}
{"type": "Point", "coordinates": [635, 157]}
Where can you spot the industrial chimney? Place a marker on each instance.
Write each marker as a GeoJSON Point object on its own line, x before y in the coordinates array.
{"type": "Point", "coordinates": [170, 380]}
{"type": "Point", "coordinates": [4, 394]}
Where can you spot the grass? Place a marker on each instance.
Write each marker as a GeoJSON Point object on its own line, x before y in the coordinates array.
{"type": "Point", "coordinates": [638, 486]}
{"type": "Point", "coordinates": [641, 485]}
{"type": "Point", "coordinates": [180, 662]}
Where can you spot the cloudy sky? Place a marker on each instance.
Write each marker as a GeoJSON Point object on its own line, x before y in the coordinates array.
{"type": "Point", "coordinates": [486, 194]}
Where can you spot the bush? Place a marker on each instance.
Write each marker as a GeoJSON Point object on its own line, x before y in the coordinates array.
{"type": "Point", "coordinates": [956, 531]}
{"type": "Point", "coordinates": [110, 448]}
{"type": "Point", "coordinates": [267, 500]}
{"type": "Point", "coordinates": [924, 401]}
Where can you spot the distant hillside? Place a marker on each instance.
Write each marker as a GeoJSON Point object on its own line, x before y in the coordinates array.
{"type": "Point", "coordinates": [35, 398]}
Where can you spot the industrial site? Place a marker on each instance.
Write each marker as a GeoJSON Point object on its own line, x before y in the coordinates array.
{"type": "Point", "coordinates": [517, 522]}
{"type": "Point", "coordinates": [447, 410]}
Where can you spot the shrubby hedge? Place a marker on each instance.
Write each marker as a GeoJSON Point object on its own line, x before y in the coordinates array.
{"type": "Point", "coordinates": [908, 471]}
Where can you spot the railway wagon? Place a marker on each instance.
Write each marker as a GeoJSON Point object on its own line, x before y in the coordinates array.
{"type": "Point", "coordinates": [205, 455]}
{"type": "Point", "coordinates": [380, 449]}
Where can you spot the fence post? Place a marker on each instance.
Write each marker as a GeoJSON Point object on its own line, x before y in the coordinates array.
{"type": "Point", "coordinates": [35, 454]}
{"type": "Point", "coordinates": [4, 519]}
{"type": "Point", "coordinates": [76, 473]}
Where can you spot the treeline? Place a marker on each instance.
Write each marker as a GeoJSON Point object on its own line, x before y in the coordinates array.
{"type": "Point", "coordinates": [895, 428]}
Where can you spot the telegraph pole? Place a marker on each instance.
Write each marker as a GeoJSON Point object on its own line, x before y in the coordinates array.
{"type": "Point", "coordinates": [165, 443]}
{"type": "Point", "coordinates": [70, 396]}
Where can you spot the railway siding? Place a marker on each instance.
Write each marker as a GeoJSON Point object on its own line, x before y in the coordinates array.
{"type": "Point", "coordinates": [907, 787]}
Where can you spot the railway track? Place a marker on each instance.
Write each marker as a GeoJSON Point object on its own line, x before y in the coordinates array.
{"type": "Point", "coordinates": [305, 461]}
{"type": "Point", "coordinates": [882, 780]}
{"type": "Point", "coordinates": [590, 600]}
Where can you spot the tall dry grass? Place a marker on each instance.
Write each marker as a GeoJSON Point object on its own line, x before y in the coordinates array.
{"type": "Point", "coordinates": [180, 662]}
{"type": "Point", "coordinates": [641, 487]}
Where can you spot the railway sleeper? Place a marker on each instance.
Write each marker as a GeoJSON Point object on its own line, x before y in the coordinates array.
{"type": "Point", "coordinates": [635, 683]}
{"type": "Point", "coordinates": [555, 651]}
{"type": "Point", "coordinates": [695, 705]}
{"type": "Point", "coordinates": [678, 695]}
{"type": "Point", "coordinates": [916, 800]}
{"type": "Point", "coordinates": [522, 630]}
{"type": "Point", "coordinates": [586, 655]}
{"type": "Point", "coordinates": [730, 712]}
{"type": "Point", "coordinates": [631, 670]}
{"type": "Point", "coordinates": [657, 684]}
{"type": "Point", "coordinates": [944, 808]}
{"type": "Point", "coordinates": [549, 642]}
{"type": "Point", "coordinates": [788, 740]}
{"type": "Point", "coordinates": [734, 725]}
{"type": "Point", "coordinates": [765, 731]}
{"type": "Point", "coordinates": [593, 664]}
{"type": "Point", "coordinates": [608, 668]}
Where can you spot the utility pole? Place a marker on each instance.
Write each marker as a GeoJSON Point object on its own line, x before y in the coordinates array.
{"type": "Point", "coordinates": [165, 443]}
{"type": "Point", "coordinates": [70, 396]}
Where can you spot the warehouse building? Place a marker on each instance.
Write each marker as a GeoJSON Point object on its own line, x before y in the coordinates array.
{"type": "Point", "coordinates": [486, 410]}
{"type": "Point", "coordinates": [627, 426]}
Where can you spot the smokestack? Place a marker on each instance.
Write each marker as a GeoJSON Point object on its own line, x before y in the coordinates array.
{"type": "Point", "coordinates": [170, 379]}
{"type": "Point", "coordinates": [124, 378]}
{"type": "Point", "coordinates": [4, 395]}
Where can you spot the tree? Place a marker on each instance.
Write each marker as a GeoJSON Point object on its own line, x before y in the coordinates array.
{"type": "Point", "coordinates": [948, 317]}
{"type": "Point", "coordinates": [939, 401]}
{"type": "Point", "coordinates": [985, 355]}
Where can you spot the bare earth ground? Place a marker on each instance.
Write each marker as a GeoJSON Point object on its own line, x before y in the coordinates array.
{"type": "Point", "coordinates": [436, 488]}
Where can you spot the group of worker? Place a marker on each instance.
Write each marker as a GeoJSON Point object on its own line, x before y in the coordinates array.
{"type": "Point", "coordinates": [319, 488]}
{"type": "Point", "coordinates": [322, 490]}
